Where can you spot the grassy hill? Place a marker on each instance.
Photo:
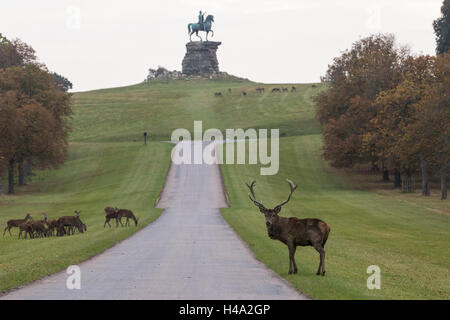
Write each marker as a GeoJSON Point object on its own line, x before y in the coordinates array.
{"type": "Point", "coordinates": [405, 235]}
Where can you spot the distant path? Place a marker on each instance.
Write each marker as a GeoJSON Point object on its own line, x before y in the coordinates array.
{"type": "Point", "coordinates": [189, 252]}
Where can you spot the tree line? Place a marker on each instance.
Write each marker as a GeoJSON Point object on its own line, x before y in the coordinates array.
{"type": "Point", "coordinates": [35, 108]}
{"type": "Point", "coordinates": [390, 109]}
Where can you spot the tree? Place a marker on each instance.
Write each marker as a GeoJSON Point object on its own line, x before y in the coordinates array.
{"type": "Point", "coordinates": [442, 28]}
{"type": "Point", "coordinates": [34, 119]}
{"type": "Point", "coordinates": [432, 128]}
{"type": "Point", "coordinates": [15, 53]}
{"type": "Point", "coordinates": [61, 82]}
{"type": "Point", "coordinates": [373, 65]}
{"type": "Point", "coordinates": [395, 111]}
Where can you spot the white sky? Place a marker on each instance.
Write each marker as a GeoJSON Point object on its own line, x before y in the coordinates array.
{"type": "Point", "coordinates": [109, 43]}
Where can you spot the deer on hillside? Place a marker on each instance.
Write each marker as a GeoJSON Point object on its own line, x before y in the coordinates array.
{"type": "Point", "coordinates": [292, 231]}
{"type": "Point", "coordinates": [111, 213]}
{"type": "Point", "coordinates": [70, 222]}
{"type": "Point", "coordinates": [125, 213]}
{"type": "Point", "coordinates": [38, 226]}
{"type": "Point", "coordinates": [15, 223]}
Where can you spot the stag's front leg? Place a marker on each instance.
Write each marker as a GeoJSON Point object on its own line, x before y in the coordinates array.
{"type": "Point", "coordinates": [292, 266]}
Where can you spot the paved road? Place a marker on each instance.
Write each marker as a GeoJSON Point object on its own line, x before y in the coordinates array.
{"type": "Point", "coordinates": [189, 252]}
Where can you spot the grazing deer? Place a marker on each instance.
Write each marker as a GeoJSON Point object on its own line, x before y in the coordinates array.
{"type": "Point", "coordinates": [244, 93]}
{"type": "Point", "coordinates": [293, 89]}
{"type": "Point", "coordinates": [15, 223]}
{"type": "Point", "coordinates": [111, 213]}
{"type": "Point", "coordinates": [38, 226]}
{"type": "Point", "coordinates": [218, 94]}
{"type": "Point", "coordinates": [27, 228]}
{"type": "Point", "coordinates": [52, 225]}
{"type": "Point", "coordinates": [260, 89]}
{"type": "Point", "coordinates": [292, 231]}
{"type": "Point", "coordinates": [124, 213]}
{"type": "Point", "coordinates": [71, 222]}
{"type": "Point", "coordinates": [276, 90]}
{"type": "Point", "coordinates": [285, 90]}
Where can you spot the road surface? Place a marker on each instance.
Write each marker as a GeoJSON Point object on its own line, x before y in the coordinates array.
{"type": "Point", "coordinates": [189, 252]}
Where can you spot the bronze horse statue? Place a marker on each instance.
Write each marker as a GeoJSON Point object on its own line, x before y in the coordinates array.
{"type": "Point", "coordinates": [196, 27]}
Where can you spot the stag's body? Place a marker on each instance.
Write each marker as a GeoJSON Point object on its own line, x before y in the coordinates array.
{"type": "Point", "coordinates": [15, 223]}
{"type": "Point", "coordinates": [294, 232]}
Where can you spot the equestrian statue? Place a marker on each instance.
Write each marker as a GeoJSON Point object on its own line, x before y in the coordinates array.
{"type": "Point", "coordinates": [202, 25]}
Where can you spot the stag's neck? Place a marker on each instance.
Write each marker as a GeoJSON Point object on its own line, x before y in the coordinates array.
{"type": "Point", "coordinates": [276, 231]}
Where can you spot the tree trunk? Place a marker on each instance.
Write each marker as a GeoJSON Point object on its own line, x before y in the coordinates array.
{"type": "Point", "coordinates": [397, 179]}
{"type": "Point", "coordinates": [425, 180]}
{"type": "Point", "coordinates": [443, 183]}
{"type": "Point", "coordinates": [21, 173]}
{"type": "Point", "coordinates": [408, 183]}
{"type": "Point", "coordinates": [11, 177]}
{"type": "Point", "coordinates": [28, 169]}
{"type": "Point", "coordinates": [385, 172]}
{"type": "Point", "coordinates": [374, 168]}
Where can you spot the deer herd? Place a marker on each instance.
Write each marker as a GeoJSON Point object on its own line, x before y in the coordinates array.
{"type": "Point", "coordinates": [66, 225]}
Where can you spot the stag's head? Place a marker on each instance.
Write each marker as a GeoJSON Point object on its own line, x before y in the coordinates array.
{"type": "Point", "coordinates": [77, 213]}
{"type": "Point", "coordinates": [271, 215]}
{"type": "Point", "coordinates": [28, 216]}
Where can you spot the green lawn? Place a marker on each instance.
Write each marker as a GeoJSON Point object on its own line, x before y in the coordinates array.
{"type": "Point", "coordinates": [408, 242]}
{"type": "Point", "coordinates": [126, 175]}
{"type": "Point", "coordinates": [405, 235]}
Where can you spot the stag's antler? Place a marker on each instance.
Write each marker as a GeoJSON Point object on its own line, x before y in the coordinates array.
{"type": "Point", "coordinates": [292, 186]}
{"type": "Point", "coordinates": [256, 202]}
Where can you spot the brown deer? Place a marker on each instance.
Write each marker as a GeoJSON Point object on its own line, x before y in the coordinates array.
{"type": "Point", "coordinates": [38, 226]}
{"type": "Point", "coordinates": [111, 213]}
{"type": "Point", "coordinates": [27, 228]}
{"type": "Point", "coordinates": [292, 231]}
{"type": "Point", "coordinates": [71, 222]}
{"type": "Point", "coordinates": [52, 225]}
{"type": "Point", "coordinates": [124, 213]}
{"type": "Point", "coordinates": [15, 223]}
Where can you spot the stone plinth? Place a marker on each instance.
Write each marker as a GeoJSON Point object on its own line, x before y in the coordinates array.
{"type": "Point", "coordinates": [201, 58]}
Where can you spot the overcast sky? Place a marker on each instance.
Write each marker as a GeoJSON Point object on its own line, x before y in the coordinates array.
{"type": "Point", "coordinates": [109, 43]}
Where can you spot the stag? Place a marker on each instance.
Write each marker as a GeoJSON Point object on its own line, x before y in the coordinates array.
{"type": "Point", "coordinates": [15, 223]}
{"type": "Point", "coordinates": [292, 231]}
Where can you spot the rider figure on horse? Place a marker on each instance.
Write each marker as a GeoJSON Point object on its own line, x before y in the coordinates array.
{"type": "Point", "coordinates": [201, 19]}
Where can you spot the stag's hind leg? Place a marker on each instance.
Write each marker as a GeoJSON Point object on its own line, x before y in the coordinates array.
{"type": "Point", "coordinates": [320, 249]}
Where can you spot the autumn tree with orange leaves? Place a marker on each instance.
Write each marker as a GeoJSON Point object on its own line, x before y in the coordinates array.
{"type": "Point", "coordinates": [34, 115]}
{"type": "Point", "coordinates": [387, 108]}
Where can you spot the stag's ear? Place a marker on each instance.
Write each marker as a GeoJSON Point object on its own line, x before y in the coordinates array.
{"type": "Point", "coordinates": [277, 210]}
{"type": "Point", "coordinates": [262, 210]}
